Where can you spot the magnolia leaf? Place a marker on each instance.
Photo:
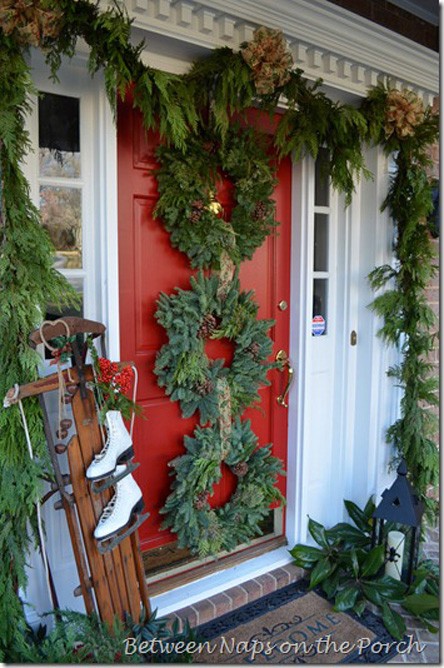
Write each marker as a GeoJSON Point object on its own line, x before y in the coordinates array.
{"type": "Point", "coordinates": [359, 607]}
{"type": "Point", "coordinates": [318, 533]}
{"type": "Point", "coordinates": [347, 598]}
{"type": "Point", "coordinates": [393, 622]}
{"type": "Point", "coordinates": [418, 604]}
{"type": "Point", "coordinates": [357, 516]}
{"type": "Point", "coordinates": [373, 561]}
{"type": "Point", "coordinates": [322, 570]}
{"type": "Point", "coordinates": [306, 556]}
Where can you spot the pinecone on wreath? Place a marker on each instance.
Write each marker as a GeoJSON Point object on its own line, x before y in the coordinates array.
{"type": "Point", "coordinates": [260, 211]}
{"type": "Point", "coordinates": [204, 387]}
{"type": "Point", "coordinates": [201, 500]}
{"type": "Point", "coordinates": [207, 326]}
{"type": "Point", "coordinates": [240, 469]}
{"type": "Point", "coordinates": [254, 349]}
{"type": "Point", "coordinates": [196, 213]}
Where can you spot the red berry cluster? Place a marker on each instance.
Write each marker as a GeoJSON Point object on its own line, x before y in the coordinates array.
{"type": "Point", "coordinates": [58, 352]}
{"type": "Point", "coordinates": [118, 381]}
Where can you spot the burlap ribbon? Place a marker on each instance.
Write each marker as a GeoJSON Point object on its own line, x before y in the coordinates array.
{"type": "Point", "coordinates": [224, 404]}
{"type": "Point", "coordinates": [226, 272]}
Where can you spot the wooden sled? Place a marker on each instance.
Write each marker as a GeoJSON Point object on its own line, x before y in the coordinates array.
{"type": "Point", "coordinates": [112, 583]}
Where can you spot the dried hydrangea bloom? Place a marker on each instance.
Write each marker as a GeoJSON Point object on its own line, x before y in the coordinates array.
{"type": "Point", "coordinates": [31, 21]}
{"type": "Point", "coordinates": [268, 56]}
{"type": "Point", "coordinates": [405, 111]}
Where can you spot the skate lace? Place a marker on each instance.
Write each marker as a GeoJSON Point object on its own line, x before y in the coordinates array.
{"type": "Point", "coordinates": [108, 509]}
{"type": "Point", "coordinates": [103, 452]}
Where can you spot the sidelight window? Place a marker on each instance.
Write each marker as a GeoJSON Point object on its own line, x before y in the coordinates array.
{"type": "Point", "coordinates": [61, 184]}
{"type": "Point", "coordinates": [321, 246]}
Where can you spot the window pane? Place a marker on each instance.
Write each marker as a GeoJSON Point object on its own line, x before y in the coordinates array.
{"type": "Point", "coordinates": [322, 194]}
{"type": "Point", "coordinates": [53, 162]}
{"type": "Point", "coordinates": [320, 291]}
{"type": "Point", "coordinates": [320, 262]}
{"type": "Point", "coordinates": [61, 212]}
{"type": "Point", "coordinates": [53, 313]}
{"type": "Point", "coordinates": [59, 136]}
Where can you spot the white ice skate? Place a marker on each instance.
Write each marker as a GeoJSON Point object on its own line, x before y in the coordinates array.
{"type": "Point", "coordinates": [118, 448]}
{"type": "Point", "coordinates": [123, 512]}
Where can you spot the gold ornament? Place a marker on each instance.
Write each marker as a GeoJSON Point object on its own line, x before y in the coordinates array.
{"type": "Point", "coordinates": [214, 205]}
{"type": "Point", "coordinates": [404, 112]}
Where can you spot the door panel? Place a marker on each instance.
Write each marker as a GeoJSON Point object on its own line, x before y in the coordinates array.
{"type": "Point", "coordinates": [149, 265]}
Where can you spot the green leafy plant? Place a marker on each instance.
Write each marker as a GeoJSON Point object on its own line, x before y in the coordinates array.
{"type": "Point", "coordinates": [78, 638]}
{"type": "Point", "coordinates": [348, 570]}
{"type": "Point", "coordinates": [423, 598]}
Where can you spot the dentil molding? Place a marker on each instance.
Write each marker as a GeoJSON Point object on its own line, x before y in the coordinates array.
{"type": "Point", "coordinates": [347, 51]}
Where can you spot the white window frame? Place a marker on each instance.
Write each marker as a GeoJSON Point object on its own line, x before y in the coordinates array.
{"type": "Point", "coordinates": [75, 81]}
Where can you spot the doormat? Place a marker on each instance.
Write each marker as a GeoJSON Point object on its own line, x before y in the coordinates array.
{"type": "Point", "coordinates": [291, 626]}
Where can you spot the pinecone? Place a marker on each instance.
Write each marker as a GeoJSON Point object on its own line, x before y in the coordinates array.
{"type": "Point", "coordinates": [210, 146]}
{"type": "Point", "coordinates": [201, 500]}
{"type": "Point", "coordinates": [260, 211]}
{"type": "Point", "coordinates": [204, 387]}
{"type": "Point", "coordinates": [240, 469]}
{"type": "Point", "coordinates": [207, 326]}
{"type": "Point", "coordinates": [254, 349]}
{"type": "Point", "coordinates": [196, 213]}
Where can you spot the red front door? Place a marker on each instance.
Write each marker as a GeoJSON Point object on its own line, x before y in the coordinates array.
{"type": "Point", "coordinates": [149, 265]}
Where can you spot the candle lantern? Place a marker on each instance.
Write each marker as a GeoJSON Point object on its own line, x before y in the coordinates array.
{"type": "Point", "coordinates": [397, 524]}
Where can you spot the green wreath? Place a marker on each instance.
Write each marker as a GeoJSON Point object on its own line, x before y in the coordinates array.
{"type": "Point", "coordinates": [184, 370]}
{"type": "Point", "coordinates": [205, 530]}
{"type": "Point", "coordinates": [187, 185]}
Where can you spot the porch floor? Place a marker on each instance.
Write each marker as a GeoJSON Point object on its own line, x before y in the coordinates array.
{"type": "Point", "coordinates": [234, 597]}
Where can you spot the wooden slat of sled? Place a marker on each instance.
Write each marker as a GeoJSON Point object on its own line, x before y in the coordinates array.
{"type": "Point", "coordinates": [118, 564]}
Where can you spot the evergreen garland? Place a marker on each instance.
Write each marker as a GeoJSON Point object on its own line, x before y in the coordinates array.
{"type": "Point", "coordinates": [208, 531]}
{"type": "Point", "coordinates": [28, 282]}
{"type": "Point", "coordinates": [182, 366]}
{"type": "Point", "coordinates": [407, 318]}
{"type": "Point", "coordinates": [187, 181]}
{"type": "Point", "coordinates": [163, 99]}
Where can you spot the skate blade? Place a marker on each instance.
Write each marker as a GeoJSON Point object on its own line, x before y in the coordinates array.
{"type": "Point", "coordinates": [105, 545]}
{"type": "Point", "coordinates": [124, 457]}
{"type": "Point", "coordinates": [98, 487]}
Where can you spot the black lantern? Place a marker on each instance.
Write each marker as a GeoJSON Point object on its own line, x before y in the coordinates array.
{"type": "Point", "coordinates": [401, 506]}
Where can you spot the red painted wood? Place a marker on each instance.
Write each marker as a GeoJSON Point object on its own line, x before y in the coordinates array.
{"type": "Point", "coordinates": [149, 265]}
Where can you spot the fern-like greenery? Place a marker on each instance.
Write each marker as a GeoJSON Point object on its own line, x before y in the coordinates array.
{"type": "Point", "coordinates": [407, 318]}
{"type": "Point", "coordinates": [28, 282]}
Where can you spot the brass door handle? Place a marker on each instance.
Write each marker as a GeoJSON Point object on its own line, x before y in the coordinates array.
{"type": "Point", "coordinates": [282, 357]}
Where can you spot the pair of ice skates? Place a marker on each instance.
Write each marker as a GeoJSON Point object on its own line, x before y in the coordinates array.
{"type": "Point", "coordinates": [113, 467]}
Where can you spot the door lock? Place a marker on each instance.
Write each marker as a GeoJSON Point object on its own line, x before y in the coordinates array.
{"type": "Point", "coordinates": [353, 338]}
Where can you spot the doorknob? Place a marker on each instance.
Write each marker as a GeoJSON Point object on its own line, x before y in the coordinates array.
{"type": "Point", "coordinates": [282, 357]}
